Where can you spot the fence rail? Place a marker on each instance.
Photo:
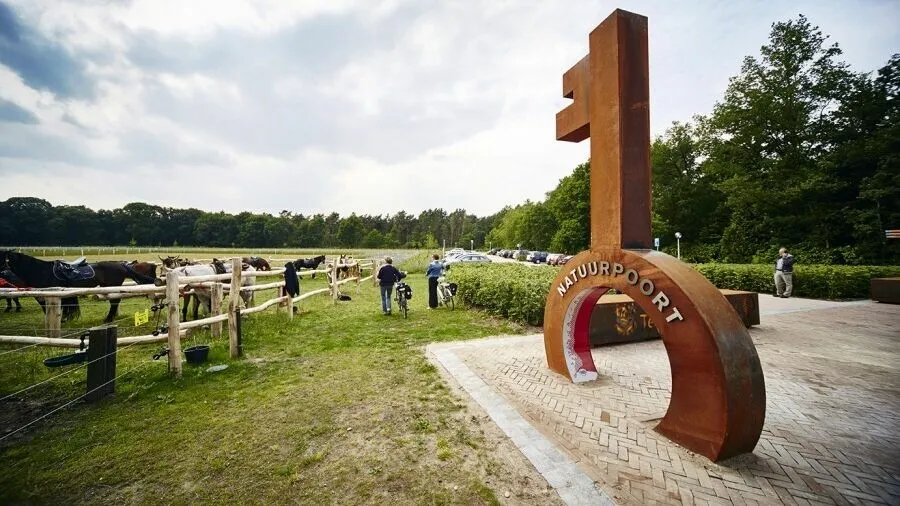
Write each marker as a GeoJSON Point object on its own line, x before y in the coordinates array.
{"type": "Point", "coordinates": [177, 286]}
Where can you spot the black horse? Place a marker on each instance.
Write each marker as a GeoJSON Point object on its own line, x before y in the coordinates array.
{"type": "Point", "coordinates": [43, 274]}
{"type": "Point", "coordinates": [309, 263]}
{"type": "Point", "coordinates": [8, 279]}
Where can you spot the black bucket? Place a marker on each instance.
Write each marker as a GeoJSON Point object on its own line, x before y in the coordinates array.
{"type": "Point", "coordinates": [197, 354]}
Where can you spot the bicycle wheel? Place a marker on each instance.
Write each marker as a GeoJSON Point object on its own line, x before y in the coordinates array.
{"type": "Point", "coordinates": [450, 303]}
{"type": "Point", "coordinates": [404, 306]}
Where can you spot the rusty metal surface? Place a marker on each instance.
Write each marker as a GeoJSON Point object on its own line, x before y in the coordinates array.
{"type": "Point", "coordinates": [717, 407]}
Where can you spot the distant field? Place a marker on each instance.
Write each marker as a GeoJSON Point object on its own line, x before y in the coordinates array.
{"type": "Point", "coordinates": [95, 253]}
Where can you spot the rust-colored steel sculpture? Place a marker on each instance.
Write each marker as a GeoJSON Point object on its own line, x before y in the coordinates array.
{"type": "Point", "coordinates": [718, 399]}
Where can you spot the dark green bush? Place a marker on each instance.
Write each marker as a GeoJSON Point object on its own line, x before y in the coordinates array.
{"type": "Point", "coordinates": [514, 291]}
{"type": "Point", "coordinates": [812, 281]}
{"type": "Point", "coordinates": [519, 292]}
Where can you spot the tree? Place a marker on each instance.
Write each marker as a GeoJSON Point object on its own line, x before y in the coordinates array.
{"type": "Point", "coordinates": [765, 136]}
{"type": "Point", "coordinates": [350, 231]}
{"type": "Point", "coordinates": [24, 221]}
{"type": "Point", "coordinates": [684, 198]}
{"type": "Point", "coordinates": [570, 205]}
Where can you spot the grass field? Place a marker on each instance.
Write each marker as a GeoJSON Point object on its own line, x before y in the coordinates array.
{"type": "Point", "coordinates": [337, 406]}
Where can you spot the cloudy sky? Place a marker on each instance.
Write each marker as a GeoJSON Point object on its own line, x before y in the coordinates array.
{"type": "Point", "coordinates": [363, 106]}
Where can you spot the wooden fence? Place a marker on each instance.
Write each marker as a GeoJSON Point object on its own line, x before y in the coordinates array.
{"type": "Point", "coordinates": [173, 289]}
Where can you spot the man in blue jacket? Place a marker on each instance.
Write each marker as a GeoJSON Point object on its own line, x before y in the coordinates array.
{"type": "Point", "coordinates": [387, 276]}
{"type": "Point", "coordinates": [784, 274]}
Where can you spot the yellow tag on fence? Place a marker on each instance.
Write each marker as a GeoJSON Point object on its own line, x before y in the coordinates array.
{"type": "Point", "coordinates": [141, 317]}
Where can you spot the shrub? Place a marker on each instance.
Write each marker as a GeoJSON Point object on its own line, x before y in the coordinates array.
{"type": "Point", "coordinates": [519, 292]}
{"type": "Point", "coordinates": [813, 281]}
{"type": "Point", "coordinates": [514, 291]}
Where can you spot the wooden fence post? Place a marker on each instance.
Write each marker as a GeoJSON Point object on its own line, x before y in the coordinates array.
{"type": "Point", "coordinates": [101, 370]}
{"type": "Point", "coordinates": [234, 304]}
{"type": "Point", "coordinates": [173, 322]}
{"type": "Point", "coordinates": [217, 296]}
{"type": "Point", "coordinates": [334, 280]}
{"type": "Point", "coordinates": [53, 316]}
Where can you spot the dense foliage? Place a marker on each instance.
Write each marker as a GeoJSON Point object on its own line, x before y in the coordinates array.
{"type": "Point", "coordinates": [800, 152]}
{"type": "Point", "coordinates": [26, 221]}
{"type": "Point", "coordinates": [514, 291]}
{"type": "Point", "coordinates": [519, 292]}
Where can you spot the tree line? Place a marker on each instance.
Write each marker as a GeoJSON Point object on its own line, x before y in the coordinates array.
{"type": "Point", "coordinates": [800, 152]}
{"type": "Point", "coordinates": [29, 221]}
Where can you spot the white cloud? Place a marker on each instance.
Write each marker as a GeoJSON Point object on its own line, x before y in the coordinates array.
{"type": "Point", "coordinates": [354, 105]}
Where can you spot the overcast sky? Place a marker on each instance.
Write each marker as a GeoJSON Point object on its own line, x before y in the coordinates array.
{"type": "Point", "coordinates": [345, 105]}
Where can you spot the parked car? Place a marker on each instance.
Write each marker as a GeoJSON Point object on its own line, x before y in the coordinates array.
{"type": "Point", "coordinates": [553, 258]}
{"type": "Point", "coordinates": [537, 257]}
{"type": "Point", "coordinates": [563, 260]}
{"type": "Point", "coordinates": [468, 258]}
{"type": "Point", "coordinates": [493, 251]}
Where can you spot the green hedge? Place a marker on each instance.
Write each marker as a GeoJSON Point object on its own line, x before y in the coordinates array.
{"type": "Point", "coordinates": [518, 292]}
{"type": "Point", "coordinates": [513, 291]}
{"type": "Point", "coordinates": [833, 282]}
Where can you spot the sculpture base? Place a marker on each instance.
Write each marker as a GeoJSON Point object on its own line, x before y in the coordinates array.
{"type": "Point", "coordinates": [617, 319]}
{"type": "Point", "coordinates": [885, 290]}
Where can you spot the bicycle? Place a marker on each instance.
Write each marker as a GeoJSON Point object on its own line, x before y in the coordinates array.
{"type": "Point", "coordinates": [403, 293]}
{"type": "Point", "coordinates": [446, 293]}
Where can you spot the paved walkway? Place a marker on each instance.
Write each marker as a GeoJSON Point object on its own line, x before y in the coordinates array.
{"type": "Point", "coordinates": [832, 432]}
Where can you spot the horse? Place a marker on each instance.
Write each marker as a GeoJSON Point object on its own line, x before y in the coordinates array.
{"type": "Point", "coordinates": [201, 294]}
{"type": "Point", "coordinates": [8, 279]}
{"type": "Point", "coordinates": [258, 263]}
{"type": "Point", "coordinates": [344, 266]}
{"type": "Point", "coordinates": [143, 269]}
{"type": "Point", "coordinates": [38, 273]}
{"type": "Point", "coordinates": [171, 262]}
{"type": "Point", "coordinates": [309, 263]}
{"type": "Point", "coordinates": [245, 280]}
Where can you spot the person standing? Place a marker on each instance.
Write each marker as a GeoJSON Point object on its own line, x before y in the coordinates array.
{"type": "Point", "coordinates": [387, 276]}
{"type": "Point", "coordinates": [784, 274]}
{"type": "Point", "coordinates": [435, 269]}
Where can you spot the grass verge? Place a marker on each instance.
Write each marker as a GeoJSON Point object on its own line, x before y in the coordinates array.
{"type": "Point", "coordinates": [337, 406]}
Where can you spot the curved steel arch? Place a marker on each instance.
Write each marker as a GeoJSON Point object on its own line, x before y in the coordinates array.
{"type": "Point", "coordinates": [718, 399]}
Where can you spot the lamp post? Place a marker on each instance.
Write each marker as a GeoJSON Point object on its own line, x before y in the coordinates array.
{"type": "Point", "coordinates": [472, 244]}
{"type": "Point", "coordinates": [678, 239]}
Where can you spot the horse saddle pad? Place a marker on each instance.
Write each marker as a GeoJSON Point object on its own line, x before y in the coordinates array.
{"type": "Point", "coordinates": [65, 271]}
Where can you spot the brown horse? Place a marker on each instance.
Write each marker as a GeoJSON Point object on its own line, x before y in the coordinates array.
{"type": "Point", "coordinates": [258, 263]}
{"type": "Point", "coordinates": [171, 262]}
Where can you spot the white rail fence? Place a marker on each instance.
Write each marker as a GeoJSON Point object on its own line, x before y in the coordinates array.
{"type": "Point", "coordinates": [177, 286]}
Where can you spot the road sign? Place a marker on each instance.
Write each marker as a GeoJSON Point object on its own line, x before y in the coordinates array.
{"type": "Point", "coordinates": [656, 242]}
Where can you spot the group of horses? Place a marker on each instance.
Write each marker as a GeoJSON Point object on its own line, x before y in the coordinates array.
{"type": "Point", "coordinates": [19, 270]}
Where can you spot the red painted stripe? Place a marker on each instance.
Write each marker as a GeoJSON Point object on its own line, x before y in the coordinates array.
{"type": "Point", "coordinates": [582, 342]}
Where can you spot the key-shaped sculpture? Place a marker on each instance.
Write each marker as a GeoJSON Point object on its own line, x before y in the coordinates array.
{"type": "Point", "coordinates": [718, 399]}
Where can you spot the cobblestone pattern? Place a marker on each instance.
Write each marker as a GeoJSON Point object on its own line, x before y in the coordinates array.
{"type": "Point", "coordinates": [831, 433]}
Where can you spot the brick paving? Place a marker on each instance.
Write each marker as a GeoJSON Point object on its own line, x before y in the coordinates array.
{"type": "Point", "coordinates": [833, 411]}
